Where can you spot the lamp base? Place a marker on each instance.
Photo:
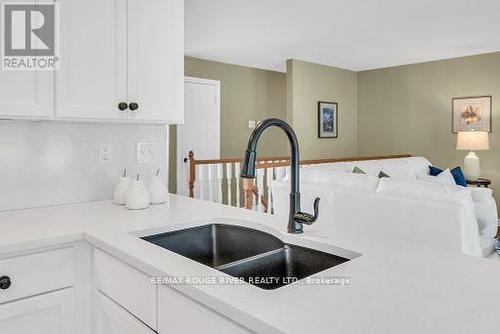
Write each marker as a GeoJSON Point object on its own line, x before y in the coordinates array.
{"type": "Point", "coordinates": [472, 167]}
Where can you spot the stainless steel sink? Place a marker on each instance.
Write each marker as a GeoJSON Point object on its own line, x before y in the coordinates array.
{"type": "Point", "coordinates": [282, 266]}
{"type": "Point", "coordinates": [216, 244]}
{"type": "Point", "coordinates": [257, 257]}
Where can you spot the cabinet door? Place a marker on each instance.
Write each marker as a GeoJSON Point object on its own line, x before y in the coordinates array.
{"type": "Point", "coordinates": [45, 314]}
{"type": "Point", "coordinates": [179, 314]}
{"type": "Point", "coordinates": [91, 81]}
{"type": "Point", "coordinates": [110, 318]}
{"type": "Point", "coordinates": [156, 60]}
{"type": "Point", "coordinates": [25, 94]}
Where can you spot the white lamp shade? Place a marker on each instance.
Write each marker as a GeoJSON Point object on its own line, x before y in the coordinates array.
{"type": "Point", "coordinates": [473, 141]}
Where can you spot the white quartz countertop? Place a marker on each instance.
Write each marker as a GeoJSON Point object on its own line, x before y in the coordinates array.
{"type": "Point", "coordinates": [395, 287]}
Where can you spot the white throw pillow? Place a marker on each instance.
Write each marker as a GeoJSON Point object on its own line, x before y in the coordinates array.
{"type": "Point", "coordinates": [445, 177]}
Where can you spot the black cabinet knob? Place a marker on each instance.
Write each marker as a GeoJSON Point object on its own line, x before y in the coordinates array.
{"type": "Point", "coordinates": [122, 106]}
{"type": "Point", "coordinates": [133, 106]}
{"type": "Point", "coordinates": [5, 282]}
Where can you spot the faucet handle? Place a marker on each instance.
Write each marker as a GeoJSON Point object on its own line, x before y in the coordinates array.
{"type": "Point", "coordinates": [307, 218]}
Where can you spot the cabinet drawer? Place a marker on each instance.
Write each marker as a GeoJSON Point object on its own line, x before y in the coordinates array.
{"type": "Point", "coordinates": [179, 314]}
{"type": "Point", "coordinates": [126, 286]}
{"type": "Point", "coordinates": [37, 273]}
{"type": "Point", "coordinates": [49, 313]}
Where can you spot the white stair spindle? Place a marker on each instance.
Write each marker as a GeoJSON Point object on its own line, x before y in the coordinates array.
{"type": "Point", "coordinates": [220, 175]}
{"type": "Point", "coordinates": [260, 189]}
{"type": "Point", "coordinates": [237, 171]}
{"type": "Point", "coordinates": [269, 180]}
{"type": "Point", "coordinates": [280, 173]}
{"type": "Point", "coordinates": [229, 177]}
{"type": "Point", "coordinates": [210, 182]}
{"type": "Point", "coordinates": [201, 181]}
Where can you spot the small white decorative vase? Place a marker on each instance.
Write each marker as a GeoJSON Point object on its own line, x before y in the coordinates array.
{"type": "Point", "coordinates": [158, 190]}
{"type": "Point", "coordinates": [137, 196]}
{"type": "Point", "coordinates": [121, 189]}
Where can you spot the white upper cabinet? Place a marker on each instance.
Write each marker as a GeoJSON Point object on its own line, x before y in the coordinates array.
{"type": "Point", "coordinates": [92, 79]}
{"type": "Point", "coordinates": [25, 94]}
{"type": "Point", "coordinates": [155, 60]}
{"type": "Point", "coordinates": [121, 60]}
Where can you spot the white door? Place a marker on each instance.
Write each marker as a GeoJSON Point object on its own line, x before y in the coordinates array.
{"type": "Point", "coordinates": [45, 314]}
{"type": "Point", "coordinates": [92, 78]}
{"type": "Point", "coordinates": [155, 61]}
{"type": "Point", "coordinates": [200, 132]}
{"type": "Point", "coordinates": [111, 318]}
{"type": "Point", "coordinates": [25, 94]}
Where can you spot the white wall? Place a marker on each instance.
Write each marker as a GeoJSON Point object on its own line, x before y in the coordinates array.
{"type": "Point", "coordinates": [51, 163]}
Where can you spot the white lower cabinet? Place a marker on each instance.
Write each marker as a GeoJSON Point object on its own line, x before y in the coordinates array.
{"type": "Point", "coordinates": [127, 286]}
{"type": "Point", "coordinates": [178, 314]}
{"type": "Point", "coordinates": [51, 313]}
{"type": "Point", "coordinates": [111, 318]}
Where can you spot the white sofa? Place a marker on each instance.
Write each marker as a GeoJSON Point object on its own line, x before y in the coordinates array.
{"type": "Point", "coordinates": [402, 207]}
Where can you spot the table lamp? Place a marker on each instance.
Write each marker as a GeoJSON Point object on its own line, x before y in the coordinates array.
{"type": "Point", "coordinates": [472, 141]}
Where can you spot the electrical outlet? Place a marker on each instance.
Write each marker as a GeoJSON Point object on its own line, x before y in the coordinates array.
{"type": "Point", "coordinates": [148, 153]}
{"type": "Point", "coordinates": [251, 124]}
{"type": "Point", "coordinates": [105, 154]}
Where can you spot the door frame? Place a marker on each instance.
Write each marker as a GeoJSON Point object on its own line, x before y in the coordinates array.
{"type": "Point", "coordinates": [180, 160]}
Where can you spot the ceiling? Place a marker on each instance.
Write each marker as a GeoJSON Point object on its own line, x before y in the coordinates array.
{"type": "Point", "coordinates": [351, 34]}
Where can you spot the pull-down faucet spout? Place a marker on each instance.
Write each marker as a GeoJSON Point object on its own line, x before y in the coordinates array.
{"type": "Point", "coordinates": [296, 218]}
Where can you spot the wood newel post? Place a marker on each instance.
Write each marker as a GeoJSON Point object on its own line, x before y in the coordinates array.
{"type": "Point", "coordinates": [192, 173]}
{"type": "Point", "coordinates": [248, 185]}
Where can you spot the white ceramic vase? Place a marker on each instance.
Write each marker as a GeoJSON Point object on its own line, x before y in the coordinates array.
{"type": "Point", "coordinates": [138, 195]}
{"type": "Point", "coordinates": [158, 190]}
{"type": "Point", "coordinates": [121, 189]}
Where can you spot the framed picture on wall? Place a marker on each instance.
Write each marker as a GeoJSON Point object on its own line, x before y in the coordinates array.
{"type": "Point", "coordinates": [471, 113]}
{"type": "Point", "coordinates": [328, 113]}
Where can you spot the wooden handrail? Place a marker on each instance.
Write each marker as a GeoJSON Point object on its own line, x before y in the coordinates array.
{"type": "Point", "coordinates": [234, 160]}
{"type": "Point", "coordinates": [269, 162]}
{"type": "Point", "coordinates": [325, 161]}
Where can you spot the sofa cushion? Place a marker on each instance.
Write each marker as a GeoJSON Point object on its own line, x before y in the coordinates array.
{"type": "Point", "coordinates": [339, 180]}
{"type": "Point", "coordinates": [444, 178]}
{"type": "Point", "coordinates": [457, 173]}
{"type": "Point", "coordinates": [486, 215]}
{"type": "Point", "coordinates": [425, 190]}
{"type": "Point", "coordinates": [398, 168]}
{"type": "Point", "coordinates": [487, 245]}
{"type": "Point", "coordinates": [481, 194]}
{"type": "Point", "coordinates": [419, 165]}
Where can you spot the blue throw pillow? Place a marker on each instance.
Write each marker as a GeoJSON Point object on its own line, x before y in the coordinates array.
{"type": "Point", "coordinates": [457, 173]}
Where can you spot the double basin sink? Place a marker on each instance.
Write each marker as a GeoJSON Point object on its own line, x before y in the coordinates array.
{"type": "Point", "coordinates": [257, 257]}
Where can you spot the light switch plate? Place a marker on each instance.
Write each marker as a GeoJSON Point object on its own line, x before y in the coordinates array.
{"type": "Point", "coordinates": [251, 124]}
{"type": "Point", "coordinates": [105, 154]}
{"type": "Point", "coordinates": [148, 153]}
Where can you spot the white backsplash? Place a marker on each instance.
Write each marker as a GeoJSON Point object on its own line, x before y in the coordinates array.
{"type": "Point", "coordinates": [44, 164]}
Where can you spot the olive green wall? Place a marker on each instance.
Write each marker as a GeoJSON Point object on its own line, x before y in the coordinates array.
{"type": "Point", "coordinates": [407, 109]}
{"type": "Point", "coordinates": [308, 83]}
{"type": "Point", "coordinates": [246, 94]}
